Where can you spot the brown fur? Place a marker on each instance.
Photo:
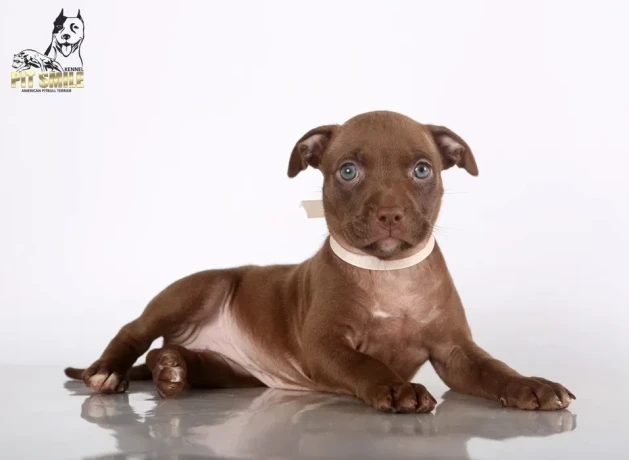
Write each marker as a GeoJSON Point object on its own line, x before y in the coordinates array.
{"type": "Point", "coordinates": [324, 324]}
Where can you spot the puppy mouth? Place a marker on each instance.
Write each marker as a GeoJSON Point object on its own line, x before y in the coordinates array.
{"type": "Point", "coordinates": [387, 244]}
{"type": "Point", "coordinates": [384, 243]}
{"type": "Point", "coordinates": [387, 247]}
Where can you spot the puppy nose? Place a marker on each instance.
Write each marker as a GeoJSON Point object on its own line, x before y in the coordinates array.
{"type": "Point", "coordinates": [390, 216]}
{"type": "Point", "coordinates": [65, 37]}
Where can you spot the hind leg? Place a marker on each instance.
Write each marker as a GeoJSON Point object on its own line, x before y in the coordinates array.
{"type": "Point", "coordinates": [202, 293]}
{"type": "Point", "coordinates": [175, 367]}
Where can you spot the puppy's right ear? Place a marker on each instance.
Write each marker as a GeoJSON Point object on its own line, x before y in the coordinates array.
{"type": "Point", "coordinates": [310, 148]}
{"type": "Point", "coordinates": [60, 14]}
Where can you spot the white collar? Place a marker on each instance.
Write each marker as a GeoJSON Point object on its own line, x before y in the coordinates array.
{"type": "Point", "coordinates": [373, 263]}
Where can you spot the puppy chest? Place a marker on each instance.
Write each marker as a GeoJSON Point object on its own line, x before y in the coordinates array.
{"type": "Point", "coordinates": [397, 318]}
{"type": "Point", "coordinates": [402, 321]}
{"type": "Point", "coordinates": [397, 341]}
{"type": "Point", "coordinates": [399, 303]}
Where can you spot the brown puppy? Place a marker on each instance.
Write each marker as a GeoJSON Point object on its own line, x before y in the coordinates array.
{"type": "Point", "coordinates": [326, 324]}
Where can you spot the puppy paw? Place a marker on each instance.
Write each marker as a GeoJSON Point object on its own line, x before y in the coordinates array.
{"type": "Point", "coordinates": [425, 401]}
{"type": "Point", "coordinates": [400, 397]}
{"type": "Point", "coordinates": [535, 393]}
{"type": "Point", "coordinates": [169, 373]}
{"type": "Point", "coordinates": [103, 377]}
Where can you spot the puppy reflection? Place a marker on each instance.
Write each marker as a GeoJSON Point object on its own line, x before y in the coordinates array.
{"type": "Point", "coordinates": [267, 423]}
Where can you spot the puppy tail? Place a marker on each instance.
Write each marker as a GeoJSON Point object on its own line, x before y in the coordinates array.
{"type": "Point", "coordinates": [140, 372]}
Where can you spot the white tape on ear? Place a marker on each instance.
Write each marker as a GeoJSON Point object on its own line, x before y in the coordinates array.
{"type": "Point", "coordinates": [314, 208]}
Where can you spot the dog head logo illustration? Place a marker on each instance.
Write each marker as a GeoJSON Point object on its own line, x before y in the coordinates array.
{"type": "Point", "coordinates": [67, 36]}
{"type": "Point", "coordinates": [60, 68]}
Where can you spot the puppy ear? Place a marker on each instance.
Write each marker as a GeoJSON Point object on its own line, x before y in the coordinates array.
{"type": "Point", "coordinates": [79, 15]}
{"type": "Point", "coordinates": [454, 150]}
{"type": "Point", "coordinates": [60, 14]}
{"type": "Point", "coordinates": [309, 149]}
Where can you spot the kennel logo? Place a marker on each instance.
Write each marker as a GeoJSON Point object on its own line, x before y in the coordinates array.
{"type": "Point", "coordinates": [60, 68]}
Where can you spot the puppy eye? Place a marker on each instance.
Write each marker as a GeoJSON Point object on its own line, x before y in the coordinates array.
{"type": "Point", "coordinates": [348, 171]}
{"type": "Point", "coordinates": [422, 170]}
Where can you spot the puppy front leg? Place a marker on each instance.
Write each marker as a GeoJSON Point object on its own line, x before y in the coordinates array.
{"type": "Point", "coordinates": [467, 368]}
{"type": "Point", "coordinates": [339, 368]}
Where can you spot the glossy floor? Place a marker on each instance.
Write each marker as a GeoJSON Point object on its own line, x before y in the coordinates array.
{"type": "Point", "coordinates": [48, 417]}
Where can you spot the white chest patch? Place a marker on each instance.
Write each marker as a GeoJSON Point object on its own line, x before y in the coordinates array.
{"type": "Point", "coordinates": [381, 314]}
{"type": "Point", "coordinates": [398, 295]}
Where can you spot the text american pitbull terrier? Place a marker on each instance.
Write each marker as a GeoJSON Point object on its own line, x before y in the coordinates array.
{"type": "Point", "coordinates": [341, 321]}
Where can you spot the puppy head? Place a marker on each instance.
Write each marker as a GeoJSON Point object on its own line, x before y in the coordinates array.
{"type": "Point", "coordinates": [68, 33]}
{"type": "Point", "coordinates": [382, 184]}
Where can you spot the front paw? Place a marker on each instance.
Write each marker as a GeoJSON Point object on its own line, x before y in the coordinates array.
{"type": "Point", "coordinates": [400, 397]}
{"type": "Point", "coordinates": [533, 393]}
{"type": "Point", "coordinates": [104, 377]}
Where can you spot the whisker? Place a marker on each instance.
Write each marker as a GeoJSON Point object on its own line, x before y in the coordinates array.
{"type": "Point", "coordinates": [439, 230]}
{"type": "Point", "coordinates": [453, 192]}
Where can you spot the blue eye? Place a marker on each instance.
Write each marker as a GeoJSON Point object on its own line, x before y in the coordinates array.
{"type": "Point", "coordinates": [348, 171]}
{"type": "Point", "coordinates": [422, 170]}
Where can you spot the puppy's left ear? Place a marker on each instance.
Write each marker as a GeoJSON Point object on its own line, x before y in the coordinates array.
{"type": "Point", "coordinates": [79, 15]}
{"type": "Point", "coordinates": [454, 150]}
{"type": "Point", "coordinates": [310, 148]}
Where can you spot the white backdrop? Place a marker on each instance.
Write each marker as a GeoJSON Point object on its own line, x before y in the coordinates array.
{"type": "Point", "coordinates": [173, 157]}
